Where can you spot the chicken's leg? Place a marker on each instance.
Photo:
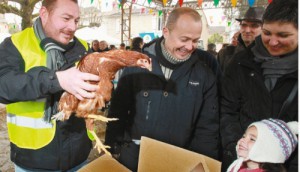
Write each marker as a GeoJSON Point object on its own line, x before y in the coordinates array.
{"type": "Point", "coordinates": [60, 116]}
{"type": "Point", "coordinates": [101, 118]}
{"type": "Point", "coordinates": [99, 145]}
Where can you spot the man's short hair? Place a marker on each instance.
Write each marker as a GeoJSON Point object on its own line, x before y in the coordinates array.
{"type": "Point", "coordinates": [50, 4]}
{"type": "Point", "coordinates": [282, 11]}
{"type": "Point", "coordinates": [176, 13]}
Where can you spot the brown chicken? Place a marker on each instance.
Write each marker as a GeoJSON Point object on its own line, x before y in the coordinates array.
{"type": "Point", "coordinates": [105, 65]}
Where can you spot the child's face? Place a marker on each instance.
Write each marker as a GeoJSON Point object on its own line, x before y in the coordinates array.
{"type": "Point", "coordinates": [246, 142]}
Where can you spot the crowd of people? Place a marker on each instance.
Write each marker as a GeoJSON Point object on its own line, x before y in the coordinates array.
{"type": "Point", "coordinates": [102, 46]}
{"type": "Point", "coordinates": [238, 106]}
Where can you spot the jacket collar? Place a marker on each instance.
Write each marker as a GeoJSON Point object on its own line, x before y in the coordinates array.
{"type": "Point", "coordinates": [153, 51]}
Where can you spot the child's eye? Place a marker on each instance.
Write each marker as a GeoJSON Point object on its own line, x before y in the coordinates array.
{"type": "Point", "coordinates": [253, 139]}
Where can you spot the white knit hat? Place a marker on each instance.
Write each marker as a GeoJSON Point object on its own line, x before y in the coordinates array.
{"type": "Point", "coordinates": [275, 142]}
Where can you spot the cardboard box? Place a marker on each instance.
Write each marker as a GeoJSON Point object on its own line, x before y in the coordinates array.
{"type": "Point", "coordinates": [105, 163]}
{"type": "Point", "coordinates": [159, 156]}
{"type": "Point", "coordinates": [156, 156]}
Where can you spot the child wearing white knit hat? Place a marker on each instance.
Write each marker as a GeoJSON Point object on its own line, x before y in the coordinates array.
{"type": "Point", "coordinates": [265, 146]}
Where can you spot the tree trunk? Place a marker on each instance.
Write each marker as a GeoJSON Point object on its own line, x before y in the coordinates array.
{"type": "Point", "coordinates": [26, 14]}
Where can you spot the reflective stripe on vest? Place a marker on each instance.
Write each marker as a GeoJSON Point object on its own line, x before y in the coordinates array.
{"type": "Point", "coordinates": [30, 133]}
{"type": "Point", "coordinates": [22, 121]}
{"type": "Point", "coordinates": [26, 127]}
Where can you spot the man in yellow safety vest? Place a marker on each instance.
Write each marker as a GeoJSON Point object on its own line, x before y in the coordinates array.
{"type": "Point", "coordinates": [37, 65]}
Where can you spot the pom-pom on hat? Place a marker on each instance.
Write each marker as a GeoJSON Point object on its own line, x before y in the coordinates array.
{"type": "Point", "coordinates": [275, 141]}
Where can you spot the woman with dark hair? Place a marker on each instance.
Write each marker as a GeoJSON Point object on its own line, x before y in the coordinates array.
{"type": "Point", "coordinates": [137, 44]}
{"type": "Point", "coordinates": [262, 81]}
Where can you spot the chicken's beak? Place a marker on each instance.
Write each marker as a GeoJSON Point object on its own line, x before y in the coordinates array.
{"type": "Point", "coordinates": [144, 63]}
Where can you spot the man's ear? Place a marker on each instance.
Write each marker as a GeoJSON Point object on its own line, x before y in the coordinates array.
{"type": "Point", "coordinates": [44, 14]}
{"type": "Point", "coordinates": [165, 32]}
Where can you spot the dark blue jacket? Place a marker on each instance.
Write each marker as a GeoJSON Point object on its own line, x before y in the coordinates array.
{"type": "Point", "coordinates": [181, 111]}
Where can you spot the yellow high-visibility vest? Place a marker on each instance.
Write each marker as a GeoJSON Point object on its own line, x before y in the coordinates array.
{"type": "Point", "coordinates": [25, 123]}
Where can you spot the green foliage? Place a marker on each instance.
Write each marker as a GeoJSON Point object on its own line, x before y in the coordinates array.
{"type": "Point", "coordinates": [215, 38]}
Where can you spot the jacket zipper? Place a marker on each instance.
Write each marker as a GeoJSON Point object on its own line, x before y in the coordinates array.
{"type": "Point", "coordinates": [148, 110]}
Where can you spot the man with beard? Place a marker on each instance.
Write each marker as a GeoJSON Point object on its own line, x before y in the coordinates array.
{"type": "Point", "coordinates": [37, 65]}
{"type": "Point", "coordinates": [250, 28]}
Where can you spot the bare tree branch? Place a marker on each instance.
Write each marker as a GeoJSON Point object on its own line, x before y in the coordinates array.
{"type": "Point", "coordinates": [25, 11]}
{"type": "Point", "coordinates": [4, 8]}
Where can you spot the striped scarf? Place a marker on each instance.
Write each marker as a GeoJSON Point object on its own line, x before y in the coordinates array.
{"type": "Point", "coordinates": [55, 60]}
{"type": "Point", "coordinates": [167, 71]}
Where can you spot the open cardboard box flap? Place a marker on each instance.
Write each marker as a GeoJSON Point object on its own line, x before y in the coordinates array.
{"type": "Point", "coordinates": [105, 163]}
{"type": "Point", "coordinates": [158, 156]}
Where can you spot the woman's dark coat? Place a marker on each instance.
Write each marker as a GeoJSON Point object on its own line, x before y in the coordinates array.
{"type": "Point", "coordinates": [245, 99]}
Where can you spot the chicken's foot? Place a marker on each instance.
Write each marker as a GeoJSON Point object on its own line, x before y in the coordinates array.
{"type": "Point", "coordinates": [101, 118]}
{"type": "Point", "coordinates": [99, 145]}
{"type": "Point", "coordinates": [60, 116]}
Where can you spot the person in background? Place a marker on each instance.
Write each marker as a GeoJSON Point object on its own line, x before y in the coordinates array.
{"type": "Point", "coordinates": [103, 46]}
{"type": "Point", "coordinates": [37, 65]}
{"type": "Point", "coordinates": [250, 28]}
{"type": "Point", "coordinates": [95, 46]}
{"type": "Point", "coordinates": [175, 103]}
{"type": "Point", "coordinates": [234, 40]}
{"type": "Point", "coordinates": [122, 46]}
{"type": "Point", "coordinates": [225, 54]}
{"type": "Point", "coordinates": [137, 44]}
{"type": "Point", "coordinates": [225, 45]}
{"type": "Point", "coordinates": [262, 81]}
{"type": "Point", "coordinates": [127, 47]}
{"type": "Point", "coordinates": [265, 146]}
{"type": "Point", "coordinates": [211, 48]}
{"type": "Point", "coordinates": [113, 47]}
